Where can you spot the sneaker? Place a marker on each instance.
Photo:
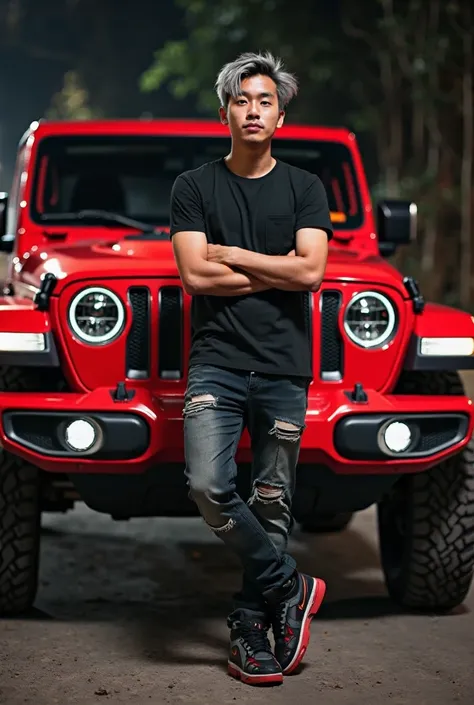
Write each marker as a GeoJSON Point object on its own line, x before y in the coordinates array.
{"type": "Point", "coordinates": [292, 618]}
{"type": "Point", "coordinates": [250, 658]}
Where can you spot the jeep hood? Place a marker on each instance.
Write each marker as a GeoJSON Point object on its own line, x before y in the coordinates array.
{"type": "Point", "coordinates": [100, 260]}
{"type": "Point", "coordinates": [135, 258]}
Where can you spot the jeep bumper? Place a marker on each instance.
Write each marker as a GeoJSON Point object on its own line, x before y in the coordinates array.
{"type": "Point", "coordinates": [145, 431]}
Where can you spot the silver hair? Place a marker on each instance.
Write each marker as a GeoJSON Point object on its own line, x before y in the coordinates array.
{"type": "Point", "coordinates": [228, 83]}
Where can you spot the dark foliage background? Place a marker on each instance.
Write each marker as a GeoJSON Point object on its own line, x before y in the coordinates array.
{"type": "Point", "coordinates": [398, 72]}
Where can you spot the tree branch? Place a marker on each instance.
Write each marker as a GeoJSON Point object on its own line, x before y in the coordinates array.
{"type": "Point", "coordinates": [399, 42]}
{"type": "Point", "coordinates": [353, 31]}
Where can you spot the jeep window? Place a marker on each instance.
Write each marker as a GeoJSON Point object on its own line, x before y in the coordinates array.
{"type": "Point", "coordinates": [133, 176]}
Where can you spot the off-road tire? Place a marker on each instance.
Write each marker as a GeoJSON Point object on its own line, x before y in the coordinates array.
{"type": "Point", "coordinates": [20, 511]}
{"type": "Point", "coordinates": [426, 523]}
{"type": "Point", "coordinates": [31, 379]}
{"type": "Point", "coordinates": [19, 534]}
{"type": "Point", "coordinates": [326, 525]}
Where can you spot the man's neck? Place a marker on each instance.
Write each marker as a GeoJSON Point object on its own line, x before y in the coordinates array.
{"type": "Point", "coordinates": [250, 163]}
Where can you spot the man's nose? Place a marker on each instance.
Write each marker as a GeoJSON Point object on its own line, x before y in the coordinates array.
{"type": "Point", "coordinates": [253, 111]}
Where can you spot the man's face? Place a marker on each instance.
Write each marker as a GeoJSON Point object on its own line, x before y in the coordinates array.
{"type": "Point", "coordinates": [254, 115]}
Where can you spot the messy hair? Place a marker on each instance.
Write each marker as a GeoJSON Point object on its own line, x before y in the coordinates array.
{"type": "Point", "coordinates": [228, 83]}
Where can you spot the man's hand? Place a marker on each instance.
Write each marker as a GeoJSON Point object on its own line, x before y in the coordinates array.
{"type": "Point", "coordinates": [202, 276]}
{"type": "Point", "coordinates": [221, 254]}
{"type": "Point", "coordinates": [302, 272]}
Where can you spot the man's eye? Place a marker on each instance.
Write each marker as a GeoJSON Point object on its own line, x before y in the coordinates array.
{"type": "Point", "coordinates": [266, 102]}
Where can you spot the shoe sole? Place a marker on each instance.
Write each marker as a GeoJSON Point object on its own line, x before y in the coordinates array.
{"type": "Point", "coordinates": [254, 679]}
{"type": "Point", "coordinates": [314, 603]}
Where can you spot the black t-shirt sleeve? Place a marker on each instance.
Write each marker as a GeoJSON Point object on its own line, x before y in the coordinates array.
{"type": "Point", "coordinates": [186, 207]}
{"type": "Point", "coordinates": [313, 208]}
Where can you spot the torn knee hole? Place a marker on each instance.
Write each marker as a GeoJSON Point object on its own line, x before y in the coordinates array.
{"type": "Point", "coordinates": [266, 493]}
{"type": "Point", "coordinates": [202, 398]}
{"type": "Point", "coordinates": [286, 431]}
{"type": "Point", "coordinates": [223, 529]}
{"type": "Point", "coordinates": [199, 402]}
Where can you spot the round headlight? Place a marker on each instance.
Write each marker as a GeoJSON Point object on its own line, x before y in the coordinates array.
{"type": "Point", "coordinates": [369, 319]}
{"type": "Point", "coordinates": [96, 315]}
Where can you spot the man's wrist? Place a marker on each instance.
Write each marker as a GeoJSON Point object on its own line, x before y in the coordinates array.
{"type": "Point", "coordinates": [238, 257]}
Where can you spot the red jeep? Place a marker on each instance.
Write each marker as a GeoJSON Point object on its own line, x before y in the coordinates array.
{"type": "Point", "coordinates": [95, 331]}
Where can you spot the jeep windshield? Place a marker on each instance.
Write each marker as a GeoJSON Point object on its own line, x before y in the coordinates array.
{"type": "Point", "coordinates": [132, 176]}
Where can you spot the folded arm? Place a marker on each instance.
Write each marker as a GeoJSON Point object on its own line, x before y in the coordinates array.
{"type": "Point", "coordinates": [200, 276]}
{"type": "Point", "coordinates": [304, 272]}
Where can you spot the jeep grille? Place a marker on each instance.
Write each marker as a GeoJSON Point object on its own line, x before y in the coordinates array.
{"type": "Point", "coordinates": [138, 341]}
{"type": "Point", "coordinates": [170, 333]}
{"type": "Point", "coordinates": [331, 341]}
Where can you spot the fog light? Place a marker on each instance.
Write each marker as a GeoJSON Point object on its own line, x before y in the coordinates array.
{"type": "Point", "coordinates": [80, 435]}
{"type": "Point", "coordinates": [397, 436]}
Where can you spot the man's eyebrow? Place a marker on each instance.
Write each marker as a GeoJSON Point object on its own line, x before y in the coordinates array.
{"type": "Point", "coordinates": [267, 94]}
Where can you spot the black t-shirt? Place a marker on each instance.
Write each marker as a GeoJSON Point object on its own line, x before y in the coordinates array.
{"type": "Point", "coordinates": [264, 332]}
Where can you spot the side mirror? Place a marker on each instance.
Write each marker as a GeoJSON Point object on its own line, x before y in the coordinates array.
{"type": "Point", "coordinates": [396, 224]}
{"type": "Point", "coordinates": [6, 241]}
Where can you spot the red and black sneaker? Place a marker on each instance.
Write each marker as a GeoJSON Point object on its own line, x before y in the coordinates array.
{"type": "Point", "coordinates": [250, 658]}
{"type": "Point", "coordinates": [292, 619]}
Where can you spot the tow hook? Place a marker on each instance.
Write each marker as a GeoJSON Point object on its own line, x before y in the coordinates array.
{"type": "Point", "coordinates": [358, 395]}
{"type": "Point", "coordinates": [121, 393]}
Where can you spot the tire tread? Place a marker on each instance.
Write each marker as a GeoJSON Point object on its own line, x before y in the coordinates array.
{"type": "Point", "coordinates": [439, 552]}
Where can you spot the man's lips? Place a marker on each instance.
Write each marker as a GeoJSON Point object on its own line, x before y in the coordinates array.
{"type": "Point", "coordinates": [254, 127]}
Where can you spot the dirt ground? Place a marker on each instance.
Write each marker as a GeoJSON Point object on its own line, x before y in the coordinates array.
{"type": "Point", "coordinates": [135, 613]}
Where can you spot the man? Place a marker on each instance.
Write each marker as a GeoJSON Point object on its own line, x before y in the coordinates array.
{"type": "Point", "coordinates": [250, 237]}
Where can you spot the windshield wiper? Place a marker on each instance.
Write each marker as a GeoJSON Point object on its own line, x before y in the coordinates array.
{"type": "Point", "coordinates": [145, 228]}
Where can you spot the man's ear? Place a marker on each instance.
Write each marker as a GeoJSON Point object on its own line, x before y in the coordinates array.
{"type": "Point", "coordinates": [223, 116]}
{"type": "Point", "coordinates": [281, 119]}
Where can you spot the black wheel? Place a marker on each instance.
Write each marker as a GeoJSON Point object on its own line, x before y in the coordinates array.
{"type": "Point", "coordinates": [326, 524]}
{"type": "Point", "coordinates": [426, 523]}
{"type": "Point", "coordinates": [19, 534]}
{"type": "Point", "coordinates": [31, 379]}
{"type": "Point", "coordinates": [20, 510]}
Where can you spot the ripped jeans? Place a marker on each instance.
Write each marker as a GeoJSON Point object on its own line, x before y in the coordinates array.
{"type": "Point", "coordinates": [218, 404]}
